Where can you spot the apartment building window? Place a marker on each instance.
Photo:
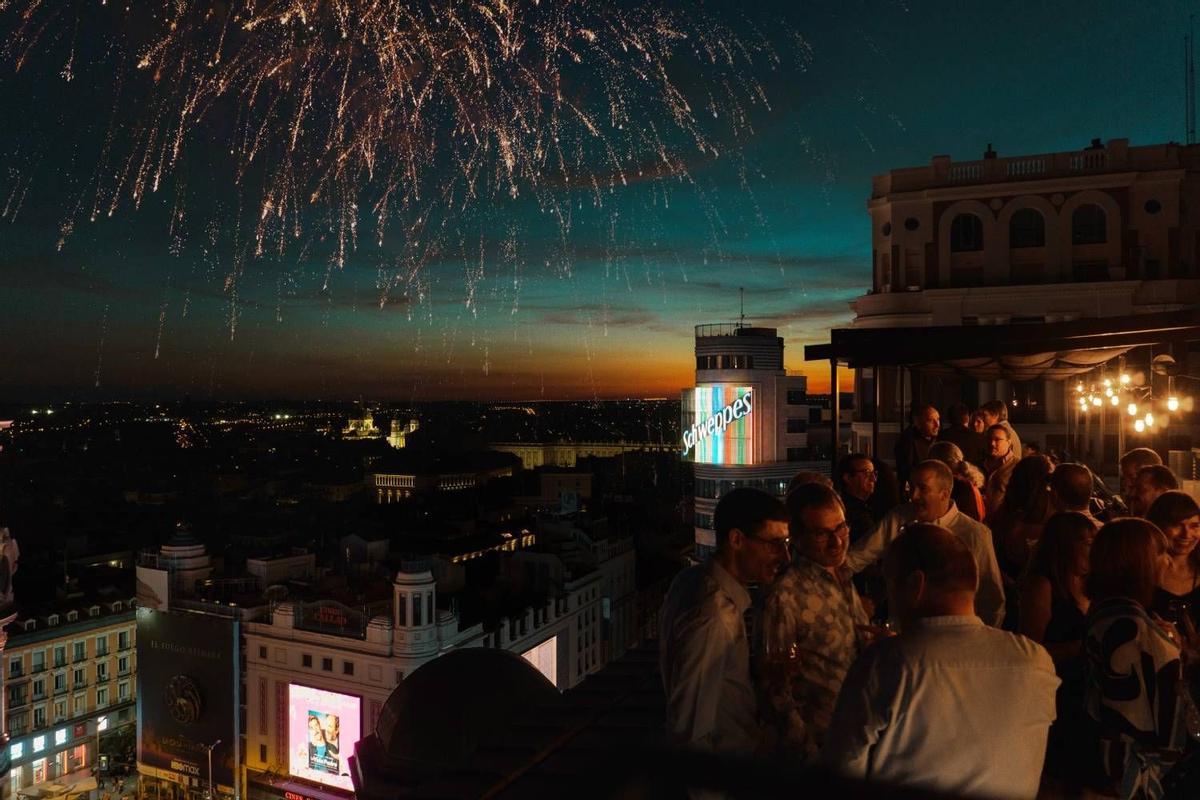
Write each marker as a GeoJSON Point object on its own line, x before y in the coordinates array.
{"type": "Point", "coordinates": [123, 665]}
{"type": "Point", "coordinates": [795, 397]}
{"type": "Point", "coordinates": [262, 753]}
{"type": "Point", "coordinates": [262, 652]}
{"type": "Point", "coordinates": [347, 667]}
{"type": "Point", "coordinates": [306, 660]}
{"type": "Point", "coordinates": [39, 688]}
{"type": "Point", "coordinates": [101, 671]}
{"type": "Point", "coordinates": [60, 656]}
{"type": "Point", "coordinates": [123, 640]}
{"type": "Point", "coordinates": [60, 682]}
{"type": "Point", "coordinates": [39, 716]}
{"type": "Point", "coordinates": [327, 664]}
{"type": "Point", "coordinates": [60, 710]}
{"type": "Point", "coordinates": [16, 696]}
{"type": "Point", "coordinates": [38, 658]}
{"type": "Point", "coordinates": [79, 676]}
{"type": "Point", "coordinates": [101, 646]}
{"type": "Point", "coordinates": [15, 667]}
{"type": "Point", "coordinates": [1089, 225]}
{"type": "Point", "coordinates": [966, 234]}
{"type": "Point", "coordinates": [1027, 228]}
{"type": "Point", "coordinates": [795, 425]}
{"type": "Point", "coordinates": [79, 704]}
{"type": "Point", "coordinates": [102, 697]}
{"type": "Point", "coordinates": [80, 649]}
{"type": "Point", "coordinates": [123, 691]}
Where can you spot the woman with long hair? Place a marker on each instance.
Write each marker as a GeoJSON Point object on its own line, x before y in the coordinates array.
{"type": "Point", "coordinates": [1135, 688]}
{"type": "Point", "coordinates": [1053, 613]}
{"type": "Point", "coordinates": [1177, 598]}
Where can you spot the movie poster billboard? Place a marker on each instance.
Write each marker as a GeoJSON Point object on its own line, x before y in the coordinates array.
{"type": "Point", "coordinates": [187, 697]}
{"type": "Point", "coordinates": [718, 424]}
{"type": "Point", "coordinates": [323, 728]}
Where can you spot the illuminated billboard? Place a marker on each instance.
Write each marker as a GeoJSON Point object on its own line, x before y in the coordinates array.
{"type": "Point", "coordinates": [545, 657]}
{"type": "Point", "coordinates": [188, 685]}
{"type": "Point", "coordinates": [718, 424]}
{"type": "Point", "coordinates": [323, 728]}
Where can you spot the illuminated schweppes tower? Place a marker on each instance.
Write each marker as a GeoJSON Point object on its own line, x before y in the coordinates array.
{"type": "Point", "coordinates": [746, 421]}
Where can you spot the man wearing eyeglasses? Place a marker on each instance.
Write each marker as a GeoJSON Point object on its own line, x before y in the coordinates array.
{"type": "Point", "coordinates": [809, 629]}
{"type": "Point", "coordinates": [932, 484]}
{"type": "Point", "coordinates": [704, 655]}
{"type": "Point", "coordinates": [857, 477]}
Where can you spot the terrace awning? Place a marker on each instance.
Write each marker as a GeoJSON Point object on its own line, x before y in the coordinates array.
{"type": "Point", "coordinates": [1016, 352]}
{"type": "Point", "coordinates": [1007, 351]}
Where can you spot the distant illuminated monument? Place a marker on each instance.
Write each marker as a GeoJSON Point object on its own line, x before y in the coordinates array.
{"type": "Point", "coordinates": [362, 427]}
{"type": "Point", "coordinates": [401, 430]}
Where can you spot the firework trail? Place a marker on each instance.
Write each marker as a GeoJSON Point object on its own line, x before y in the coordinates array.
{"type": "Point", "coordinates": [398, 115]}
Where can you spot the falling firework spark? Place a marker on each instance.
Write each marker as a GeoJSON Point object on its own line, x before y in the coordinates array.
{"type": "Point", "coordinates": [404, 115]}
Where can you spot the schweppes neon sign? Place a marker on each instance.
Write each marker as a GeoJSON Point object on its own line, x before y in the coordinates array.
{"type": "Point", "coordinates": [717, 422]}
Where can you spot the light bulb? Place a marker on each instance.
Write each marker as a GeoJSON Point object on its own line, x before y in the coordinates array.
{"type": "Point", "coordinates": [1149, 419]}
{"type": "Point", "coordinates": [1079, 387]}
{"type": "Point", "coordinates": [1108, 392]}
{"type": "Point", "coordinates": [1132, 409]}
{"type": "Point", "coordinates": [1139, 426]}
{"type": "Point", "coordinates": [1116, 401]}
{"type": "Point", "coordinates": [1172, 404]}
{"type": "Point", "coordinates": [1124, 380]}
{"type": "Point", "coordinates": [1107, 383]}
{"type": "Point", "coordinates": [1095, 400]}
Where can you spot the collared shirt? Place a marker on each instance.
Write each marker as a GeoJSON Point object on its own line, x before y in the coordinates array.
{"type": "Point", "coordinates": [951, 706]}
{"type": "Point", "coordinates": [989, 598]}
{"type": "Point", "coordinates": [705, 662]}
{"type": "Point", "coordinates": [807, 641]}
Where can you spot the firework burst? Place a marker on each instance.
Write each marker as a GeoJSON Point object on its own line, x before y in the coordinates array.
{"type": "Point", "coordinates": [395, 119]}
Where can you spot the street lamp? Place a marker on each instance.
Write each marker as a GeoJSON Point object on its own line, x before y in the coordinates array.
{"type": "Point", "coordinates": [210, 781]}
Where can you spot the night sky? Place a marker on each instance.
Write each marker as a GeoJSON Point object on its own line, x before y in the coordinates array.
{"type": "Point", "coordinates": [499, 299]}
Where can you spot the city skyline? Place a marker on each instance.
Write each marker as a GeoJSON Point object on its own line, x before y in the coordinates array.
{"type": "Point", "coordinates": [504, 309]}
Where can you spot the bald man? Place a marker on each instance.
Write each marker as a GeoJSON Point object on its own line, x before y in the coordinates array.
{"type": "Point", "coordinates": [949, 705]}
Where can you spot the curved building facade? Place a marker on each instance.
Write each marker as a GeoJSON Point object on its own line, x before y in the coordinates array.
{"type": "Point", "coordinates": [745, 422]}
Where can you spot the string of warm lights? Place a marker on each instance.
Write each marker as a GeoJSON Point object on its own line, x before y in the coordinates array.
{"type": "Point", "coordinates": [1138, 398]}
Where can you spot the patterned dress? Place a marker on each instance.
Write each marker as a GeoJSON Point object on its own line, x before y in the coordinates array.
{"type": "Point", "coordinates": [807, 640]}
{"type": "Point", "coordinates": [1135, 690]}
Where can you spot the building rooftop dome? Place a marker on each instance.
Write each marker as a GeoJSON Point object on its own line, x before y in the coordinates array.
{"type": "Point", "coordinates": [439, 715]}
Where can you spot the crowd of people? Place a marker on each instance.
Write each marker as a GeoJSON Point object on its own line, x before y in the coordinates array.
{"type": "Point", "coordinates": [986, 621]}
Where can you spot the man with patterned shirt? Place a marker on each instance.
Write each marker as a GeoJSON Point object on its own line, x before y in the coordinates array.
{"type": "Point", "coordinates": [809, 628]}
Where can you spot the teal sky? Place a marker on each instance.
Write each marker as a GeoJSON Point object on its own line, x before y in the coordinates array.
{"type": "Point", "coordinates": [513, 305]}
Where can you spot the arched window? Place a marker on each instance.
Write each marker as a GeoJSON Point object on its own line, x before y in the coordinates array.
{"type": "Point", "coordinates": [1027, 228]}
{"type": "Point", "coordinates": [966, 233]}
{"type": "Point", "coordinates": [1089, 225]}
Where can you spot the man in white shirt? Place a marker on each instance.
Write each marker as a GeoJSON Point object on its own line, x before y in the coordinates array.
{"type": "Point", "coordinates": [950, 705]}
{"type": "Point", "coordinates": [932, 483]}
{"type": "Point", "coordinates": [703, 651]}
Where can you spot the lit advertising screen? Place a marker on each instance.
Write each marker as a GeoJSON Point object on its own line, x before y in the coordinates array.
{"type": "Point", "coordinates": [545, 657]}
{"type": "Point", "coordinates": [718, 424]}
{"type": "Point", "coordinates": [188, 686]}
{"type": "Point", "coordinates": [323, 728]}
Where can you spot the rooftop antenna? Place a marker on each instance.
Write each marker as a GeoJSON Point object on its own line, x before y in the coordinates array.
{"type": "Point", "coordinates": [1189, 80]}
{"type": "Point", "coordinates": [742, 301]}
